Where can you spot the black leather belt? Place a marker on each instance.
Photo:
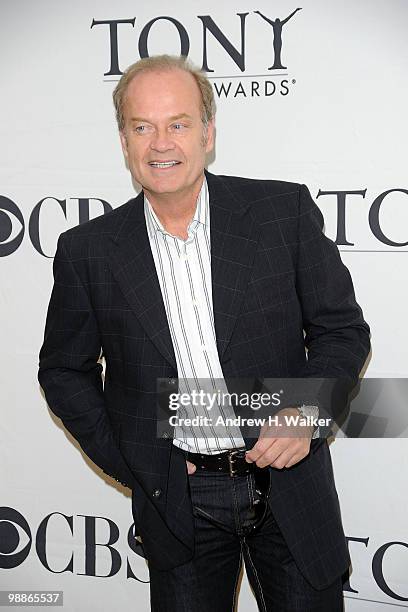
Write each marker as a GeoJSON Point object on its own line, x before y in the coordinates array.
{"type": "Point", "coordinates": [232, 462]}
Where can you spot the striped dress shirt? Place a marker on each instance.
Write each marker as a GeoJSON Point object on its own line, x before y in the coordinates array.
{"type": "Point", "coordinates": [184, 271]}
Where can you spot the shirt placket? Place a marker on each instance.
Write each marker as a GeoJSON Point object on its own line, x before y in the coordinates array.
{"type": "Point", "coordinates": [185, 250]}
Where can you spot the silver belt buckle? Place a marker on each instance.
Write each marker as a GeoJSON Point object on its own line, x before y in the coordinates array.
{"type": "Point", "coordinates": [231, 461]}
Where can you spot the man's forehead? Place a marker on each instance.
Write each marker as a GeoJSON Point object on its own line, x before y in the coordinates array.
{"type": "Point", "coordinates": [163, 91]}
{"type": "Point", "coordinates": [164, 80]}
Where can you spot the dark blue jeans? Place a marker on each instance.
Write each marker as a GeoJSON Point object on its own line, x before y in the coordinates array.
{"type": "Point", "coordinates": [225, 508]}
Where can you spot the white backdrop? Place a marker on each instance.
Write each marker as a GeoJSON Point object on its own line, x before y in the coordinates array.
{"type": "Point", "coordinates": [340, 127]}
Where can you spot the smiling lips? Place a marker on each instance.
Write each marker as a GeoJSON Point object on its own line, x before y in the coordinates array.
{"type": "Point", "coordinates": [164, 164]}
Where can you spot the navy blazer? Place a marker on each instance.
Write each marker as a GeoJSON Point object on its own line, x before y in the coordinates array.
{"type": "Point", "coordinates": [279, 287]}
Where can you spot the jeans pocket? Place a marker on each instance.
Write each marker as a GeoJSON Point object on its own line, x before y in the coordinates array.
{"type": "Point", "coordinates": [200, 513]}
{"type": "Point", "coordinates": [262, 481]}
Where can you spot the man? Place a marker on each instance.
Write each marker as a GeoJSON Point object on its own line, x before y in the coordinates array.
{"type": "Point", "coordinates": [204, 277]}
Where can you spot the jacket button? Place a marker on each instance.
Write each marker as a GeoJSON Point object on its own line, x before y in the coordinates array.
{"type": "Point", "coordinates": [157, 493]}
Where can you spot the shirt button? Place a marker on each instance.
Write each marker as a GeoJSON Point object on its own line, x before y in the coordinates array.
{"type": "Point", "coordinates": [157, 493]}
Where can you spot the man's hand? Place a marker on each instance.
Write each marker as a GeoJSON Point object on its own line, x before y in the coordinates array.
{"type": "Point", "coordinates": [191, 468]}
{"type": "Point", "coordinates": [281, 451]}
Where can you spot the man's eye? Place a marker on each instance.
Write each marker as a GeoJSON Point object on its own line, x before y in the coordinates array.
{"type": "Point", "coordinates": [140, 129]}
{"type": "Point", "coordinates": [178, 126]}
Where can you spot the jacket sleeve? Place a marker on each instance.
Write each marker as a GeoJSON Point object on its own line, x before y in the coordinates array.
{"type": "Point", "coordinates": [336, 336]}
{"type": "Point", "coordinates": [69, 372]}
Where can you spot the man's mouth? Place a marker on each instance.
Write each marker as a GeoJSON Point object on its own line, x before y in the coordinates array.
{"type": "Point", "coordinates": [164, 164]}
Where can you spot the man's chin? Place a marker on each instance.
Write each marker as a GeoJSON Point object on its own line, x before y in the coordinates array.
{"type": "Point", "coordinates": [161, 189]}
{"type": "Point", "coordinates": [167, 187]}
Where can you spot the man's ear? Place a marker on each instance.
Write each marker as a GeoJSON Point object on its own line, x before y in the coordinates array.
{"type": "Point", "coordinates": [210, 135]}
{"type": "Point", "coordinates": [124, 143]}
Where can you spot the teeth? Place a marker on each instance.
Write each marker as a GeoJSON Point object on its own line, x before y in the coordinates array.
{"type": "Point", "coordinates": [163, 164]}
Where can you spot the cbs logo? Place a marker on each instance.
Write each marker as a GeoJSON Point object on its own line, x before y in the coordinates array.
{"type": "Point", "coordinates": [13, 227]}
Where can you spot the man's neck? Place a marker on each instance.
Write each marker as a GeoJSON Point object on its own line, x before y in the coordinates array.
{"type": "Point", "coordinates": [175, 210]}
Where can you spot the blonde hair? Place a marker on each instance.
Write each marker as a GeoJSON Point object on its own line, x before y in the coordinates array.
{"type": "Point", "coordinates": [159, 63]}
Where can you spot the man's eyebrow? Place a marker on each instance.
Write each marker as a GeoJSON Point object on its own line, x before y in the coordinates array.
{"type": "Point", "coordinates": [181, 116]}
{"type": "Point", "coordinates": [173, 118]}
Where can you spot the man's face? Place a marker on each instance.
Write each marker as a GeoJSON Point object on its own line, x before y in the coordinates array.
{"type": "Point", "coordinates": [164, 140]}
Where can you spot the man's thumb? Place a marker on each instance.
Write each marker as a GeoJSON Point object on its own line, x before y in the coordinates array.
{"type": "Point", "coordinates": [191, 468]}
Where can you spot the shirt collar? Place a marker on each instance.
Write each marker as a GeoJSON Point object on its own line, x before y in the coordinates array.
{"type": "Point", "coordinates": [201, 213]}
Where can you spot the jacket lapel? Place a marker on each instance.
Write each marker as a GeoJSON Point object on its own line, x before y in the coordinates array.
{"type": "Point", "coordinates": [233, 236]}
{"type": "Point", "coordinates": [133, 267]}
{"type": "Point", "coordinates": [234, 239]}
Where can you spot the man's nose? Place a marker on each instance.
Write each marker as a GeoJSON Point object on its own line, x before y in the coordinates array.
{"type": "Point", "coordinates": [162, 141]}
